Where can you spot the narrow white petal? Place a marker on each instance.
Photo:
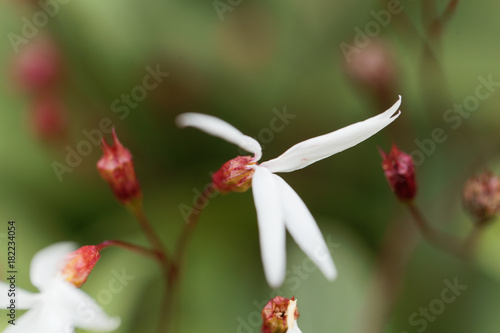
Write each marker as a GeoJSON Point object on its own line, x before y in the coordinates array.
{"type": "Point", "coordinates": [294, 329]}
{"type": "Point", "coordinates": [23, 299]}
{"type": "Point", "coordinates": [304, 230]}
{"type": "Point", "coordinates": [49, 315]}
{"type": "Point", "coordinates": [31, 321]}
{"type": "Point", "coordinates": [54, 316]}
{"type": "Point", "coordinates": [47, 262]}
{"type": "Point", "coordinates": [290, 314]}
{"type": "Point", "coordinates": [85, 312]}
{"type": "Point", "coordinates": [318, 148]}
{"type": "Point", "coordinates": [272, 232]}
{"type": "Point", "coordinates": [219, 128]}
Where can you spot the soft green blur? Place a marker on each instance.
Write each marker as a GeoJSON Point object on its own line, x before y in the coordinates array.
{"type": "Point", "coordinates": [261, 59]}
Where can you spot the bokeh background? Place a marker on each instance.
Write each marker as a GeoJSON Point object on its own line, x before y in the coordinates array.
{"type": "Point", "coordinates": [246, 62]}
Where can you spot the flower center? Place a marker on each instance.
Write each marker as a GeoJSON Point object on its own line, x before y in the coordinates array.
{"type": "Point", "coordinates": [279, 315]}
{"type": "Point", "coordinates": [235, 175]}
{"type": "Point", "coordinates": [78, 264]}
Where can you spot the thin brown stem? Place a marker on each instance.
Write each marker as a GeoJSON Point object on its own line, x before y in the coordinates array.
{"type": "Point", "coordinates": [171, 266]}
{"type": "Point", "coordinates": [391, 265]}
{"type": "Point", "coordinates": [131, 247]}
{"type": "Point", "coordinates": [442, 241]}
{"type": "Point", "coordinates": [166, 263]}
{"type": "Point", "coordinates": [153, 238]}
{"type": "Point", "coordinates": [461, 249]}
{"type": "Point", "coordinates": [191, 223]}
{"type": "Point", "coordinates": [439, 23]}
{"type": "Point", "coordinates": [174, 270]}
{"type": "Point", "coordinates": [403, 24]}
{"type": "Point", "coordinates": [472, 240]}
{"type": "Point", "coordinates": [428, 12]}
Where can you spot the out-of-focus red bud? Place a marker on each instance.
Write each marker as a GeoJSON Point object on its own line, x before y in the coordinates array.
{"type": "Point", "coordinates": [373, 67]}
{"type": "Point", "coordinates": [116, 167]}
{"type": "Point", "coordinates": [38, 65]}
{"type": "Point", "coordinates": [481, 196]}
{"type": "Point", "coordinates": [79, 264]}
{"type": "Point", "coordinates": [399, 171]}
{"type": "Point", "coordinates": [235, 175]}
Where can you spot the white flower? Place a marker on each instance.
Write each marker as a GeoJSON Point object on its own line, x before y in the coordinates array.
{"type": "Point", "coordinates": [59, 307]}
{"type": "Point", "coordinates": [278, 206]}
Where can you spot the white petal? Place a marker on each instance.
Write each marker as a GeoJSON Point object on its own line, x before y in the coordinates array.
{"type": "Point", "coordinates": [290, 314]}
{"type": "Point", "coordinates": [219, 128]}
{"type": "Point", "coordinates": [272, 232]}
{"type": "Point", "coordinates": [53, 316]}
{"type": "Point", "coordinates": [49, 315]}
{"type": "Point", "coordinates": [62, 308]}
{"type": "Point", "coordinates": [294, 329]}
{"type": "Point", "coordinates": [318, 148]}
{"type": "Point", "coordinates": [23, 299]}
{"type": "Point", "coordinates": [304, 230]}
{"type": "Point", "coordinates": [47, 262]}
{"type": "Point", "coordinates": [85, 312]}
{"type": "Point", "coordinates": [32, 321]}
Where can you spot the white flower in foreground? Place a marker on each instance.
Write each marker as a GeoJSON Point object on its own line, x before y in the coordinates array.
{"type": "Point", "coordinates": [59, 307]}
{"type": "Point", "coordinates": [278, 206]}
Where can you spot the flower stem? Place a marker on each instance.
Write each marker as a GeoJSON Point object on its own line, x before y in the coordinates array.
{"type": "Point", "coordinates": [191, 223]}
{"type": "Point", "coordinates": [439, 240]}
{"type": "Point", "coordinates": [174, 270]}
{"type": "Point", "coordinates": [428, 12]}
{"type": "Point", "coordinates": [436, 27]}
{"type": "Point", "coordinates": [447, 243]}
{"type": "Point", "coordinates": [167, 265]}
{"type": "Point", "coordinates": [470, 243]}
{"type": "Point", "coordinates": [131, 247]}
{"type": "Point", "coordinates": [137, 210]}
{"type": "Point", "coordinates": [391, 265]}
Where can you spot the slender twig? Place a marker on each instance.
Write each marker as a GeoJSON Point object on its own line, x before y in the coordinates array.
{"type": "Point", "coordinates": [403, 23]}
{"type": "Point", "coordinates": [391, 264]}
{"type": "Point", "coordinates": [131, 247]}
{"type": "Point", "coordinates": [472, 240]}
{"type": "Point", "coordinates": [392, 259]}
{"type": "Point", "coordinates": [166, 264]}
{"type": "Point", "coordinates": [459, 248]}
{"type": "Point", "coordinates": [174, 270]}
{"type": "Point", "coordinates": [171, 266]}
{"type": "Point", "coordinates": [191, 222]}
{"type": "Point", "coordinates": [439, 240]}
{"type": "Point", "coordinates": [155, 241]}
{"type": "Point", "coordinates": [428, 12]}
{"type": "Point", "coordinates": [439, 23]}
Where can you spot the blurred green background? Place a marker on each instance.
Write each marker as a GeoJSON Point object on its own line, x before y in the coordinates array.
{"type": "Point", "coordinates": [245, 64]}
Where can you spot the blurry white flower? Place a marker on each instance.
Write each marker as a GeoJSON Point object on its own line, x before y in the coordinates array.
{"type": "Point", "coordinates": [59, 307]}
{"type": "Point", "coordinates": [278, 206]}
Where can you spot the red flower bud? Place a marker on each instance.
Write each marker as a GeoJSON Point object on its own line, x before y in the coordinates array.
{"type": "Point", "coordinates": [234, 175]}
{"type": "Point", "coordinates": [39, 65]}
{"type": "Point", "coordinates": [117, 169]}
{"type": "Point", "coordinates": [400, 173]}
{"type": "Point", "coordinates": [279, 315]}
{"type": "Point", "coordinates": [78, 264]}
{"type": "Point", "coordinates": [481, 196]}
